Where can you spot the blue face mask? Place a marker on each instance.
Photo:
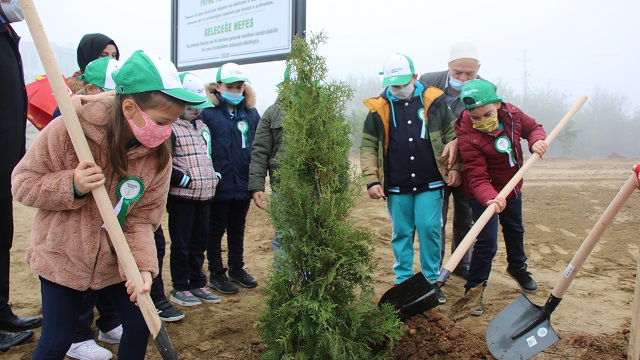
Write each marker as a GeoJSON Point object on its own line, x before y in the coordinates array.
{"type": "Point", "coordinates": [232, 98]}
{"type": "Point", "coordinates": [456, 84]}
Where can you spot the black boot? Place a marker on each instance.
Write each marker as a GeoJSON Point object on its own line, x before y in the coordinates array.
{"type": "Point", "coordinates": [19, 323]}
{"type": "Point", "coordinates": [9, 339]}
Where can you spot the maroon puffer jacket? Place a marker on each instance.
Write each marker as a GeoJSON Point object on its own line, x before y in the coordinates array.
{"type": "Point", "coordinates": [485, 169]}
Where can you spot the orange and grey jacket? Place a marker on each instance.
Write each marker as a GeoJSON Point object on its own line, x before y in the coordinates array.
{"type": "Point", "coordinates": [375, 134]}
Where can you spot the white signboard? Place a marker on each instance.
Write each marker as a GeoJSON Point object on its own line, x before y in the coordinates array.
{"type": "Point", "coordinates": [212, 32]}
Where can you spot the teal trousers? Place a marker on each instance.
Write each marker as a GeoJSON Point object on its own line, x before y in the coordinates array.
{"type": "Point", "coordinates": [409, 213]}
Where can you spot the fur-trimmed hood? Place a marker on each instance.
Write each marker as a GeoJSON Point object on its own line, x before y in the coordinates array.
{"type": "Point", "coordinates": [249, 95]}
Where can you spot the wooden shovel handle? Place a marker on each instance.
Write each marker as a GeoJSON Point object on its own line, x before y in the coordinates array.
{"type": "Point", "coordinates": [84, 153]}
{"type": "Point", "coordinates": [594, 235]}
{"type": "Point", "coordinates": [471, 236]}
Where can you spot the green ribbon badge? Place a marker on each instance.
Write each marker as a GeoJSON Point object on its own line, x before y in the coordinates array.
{"type": "Point", "coordinates": [503, 145]}
{"type": "Point", "coordinates": [423, 133]}
{"type": "Point", "coordinates": [243, 127]}
{"type": "Point", "coordinates": [129, 190]}
{"type": "Point", "coordinates": [207, 138]}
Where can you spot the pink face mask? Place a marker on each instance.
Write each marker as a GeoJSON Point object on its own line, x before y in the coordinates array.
{"type": "Point", "coordinates": [152, 134]}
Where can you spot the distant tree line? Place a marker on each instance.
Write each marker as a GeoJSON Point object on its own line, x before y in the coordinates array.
{"type": "Point", "coordinates": [606, 125]}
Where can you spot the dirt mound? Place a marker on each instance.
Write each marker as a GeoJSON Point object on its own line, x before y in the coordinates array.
{"type": "Point", "coordinates": [432, 335]}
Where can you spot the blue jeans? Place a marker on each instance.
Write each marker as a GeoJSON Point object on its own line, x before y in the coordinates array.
{"type": "Point", "coordinates": [61, 306]}
{"type": "Point", "coordinates": [486, 244]}
{"type": "Point", "coordinates": [410, 213]}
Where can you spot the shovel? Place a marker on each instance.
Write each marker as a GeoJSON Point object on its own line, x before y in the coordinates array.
{"type": "Point", "coordinates": [407, 303]}
{"type": "Point", "coordinates": [523, 329]}
{"type": "Point", "coordinates": [125, 257]}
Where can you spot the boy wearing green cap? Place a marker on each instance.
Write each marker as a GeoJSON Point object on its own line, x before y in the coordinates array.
{"type": "Point", "coordinates": [489, 133]}
{"type": "Point", "coordinates": [401, 156]}
{"type": "Point", "coordinates": [233, 124]}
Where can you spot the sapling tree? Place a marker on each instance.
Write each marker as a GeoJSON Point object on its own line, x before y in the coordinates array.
{"type": "Point", "coordinates": [320, 301]}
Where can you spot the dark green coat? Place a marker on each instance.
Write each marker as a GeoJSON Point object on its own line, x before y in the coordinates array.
{"type": "Point", "coordinates": [266, 145]}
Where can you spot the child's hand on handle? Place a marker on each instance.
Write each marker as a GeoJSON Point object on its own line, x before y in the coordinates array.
{"type": "Point", "coordinates": [451, 149]}
{"type": "Point", "coordinates": [500, 202]}
{"type": "Point", "coordinates": [539, 147]}
{"type": "Point", "coordinates": [146, 286]}
{"type": "Point", "coordinates": [376, 192]}
{"type": "Point", "coordinates": [454, 178]}
{"type": "Point", "coordinates": [636, 168]}
{"type": "Point", "coordinates": [87, 176]}
{"type": "Point", "coordinates": [258, 199]}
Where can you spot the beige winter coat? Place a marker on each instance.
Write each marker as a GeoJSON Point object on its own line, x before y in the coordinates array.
{"type": "Point", "coordinates": [68, 246]}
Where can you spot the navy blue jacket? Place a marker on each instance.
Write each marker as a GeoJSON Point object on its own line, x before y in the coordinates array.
{"type": "Point", "coordinates": [229, 158]}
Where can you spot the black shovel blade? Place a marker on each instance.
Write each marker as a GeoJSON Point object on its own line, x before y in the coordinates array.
{"type": "Point", "coordinates": [163, 343]}
{"type": "Point", "coordinates": [412, 296]}
{"type": "Point", "coordinates": [424, 303]}
{"type": "Point", "coordinates": [501, 333]}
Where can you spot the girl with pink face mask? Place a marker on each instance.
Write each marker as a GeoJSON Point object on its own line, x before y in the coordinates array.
{"type": "Point", "coordinates": [69, 249]}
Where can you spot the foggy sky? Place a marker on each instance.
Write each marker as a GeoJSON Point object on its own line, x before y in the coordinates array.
{"type": "Point", "coordinates": [572, 46]}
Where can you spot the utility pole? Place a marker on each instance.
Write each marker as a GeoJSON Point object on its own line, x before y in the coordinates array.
{"type": "Point", "coordinates": [525, 75]}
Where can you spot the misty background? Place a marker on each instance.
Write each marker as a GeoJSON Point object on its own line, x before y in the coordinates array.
{"type": "Point", "coordinates": [542, 55]}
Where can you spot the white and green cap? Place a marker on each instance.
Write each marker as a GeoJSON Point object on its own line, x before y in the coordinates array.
{"type": "Point", "coordinates": [397, 70]}
{"type": "Point", "coordinates": [144, 71]}
{"type": "Point", "coordinates": [99, 73]}
{"type": "Point", "coordinates": [194, 84]}
{"type": "Point", "coordinates": [230, 73]}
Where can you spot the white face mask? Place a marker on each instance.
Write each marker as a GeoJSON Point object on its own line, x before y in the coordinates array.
{"type": "Point", "coordinates": [12, 11]}
{"type": "Point", "coordinates": [404, 93]}
{"type": "Point", "coordinates": [190, 113]}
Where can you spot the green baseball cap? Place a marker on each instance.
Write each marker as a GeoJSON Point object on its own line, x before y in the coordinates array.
{"type": "Point", "coordinates": [397, 70]}
{"type": "Point", "coordinates": [99, 73]}
{"type": "Point", "coordinates": [194, 84]}
{"type": "Point", "coordinates": [286, 76]}
{"type": "Point", "coordinates": [230, 73]}
{"type": "Point", "coordinates": [144, 71]}
{"type": "Point", "coordinates": [477, 93]}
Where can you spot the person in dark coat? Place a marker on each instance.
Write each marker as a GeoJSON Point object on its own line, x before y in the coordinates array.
{"type": "Point", "coordinates": [13, 122]}
{"type": "Point", "coordinates": [232, 122]}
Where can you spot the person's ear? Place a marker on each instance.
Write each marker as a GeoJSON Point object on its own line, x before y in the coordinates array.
{"type": "Point", "coordinates": [498, 105]}
{"type": "Point", "coordinates": [93, 90]}
{"type": "Point", "coordinates": [129, 108]}
{"type": "Point", "coordinates": [217, 86]}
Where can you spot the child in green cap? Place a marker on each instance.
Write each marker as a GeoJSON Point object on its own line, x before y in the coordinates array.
{"type": "Point", "coordinates": [233, 122]}
{"type": "Point", "coordinates": [69, 249]}
{"type": "Point", "coordinates": [404, 158]}
{"type": "Point", "coordinates": [193, 185]}
{"type": "Point", "coordinates": [489, 133]}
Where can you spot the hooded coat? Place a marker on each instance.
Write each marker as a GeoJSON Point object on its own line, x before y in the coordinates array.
{"type": "Point", "coordinates": [230, 159]}
{"type": "Point", "coordinates": [68, 244]}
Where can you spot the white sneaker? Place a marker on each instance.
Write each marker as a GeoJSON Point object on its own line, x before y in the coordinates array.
{"type": "Point", "coordinates": [88, 350]}
{"type": "Point", "coordinates": [112, 336]}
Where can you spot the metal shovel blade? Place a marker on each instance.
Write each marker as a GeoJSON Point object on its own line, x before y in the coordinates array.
{"type": "Point", "coordinates": [503, 328]}
{"type": "Point", "coordinates": [424, 303]}
{"type": "Point", "coordinates": [412, 296]}
{"type": "Point", "coordinates": [163, 343]}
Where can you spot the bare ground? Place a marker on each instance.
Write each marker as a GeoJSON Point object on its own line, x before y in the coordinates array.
{"type": "Point", "coordinates": [563, 198]}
